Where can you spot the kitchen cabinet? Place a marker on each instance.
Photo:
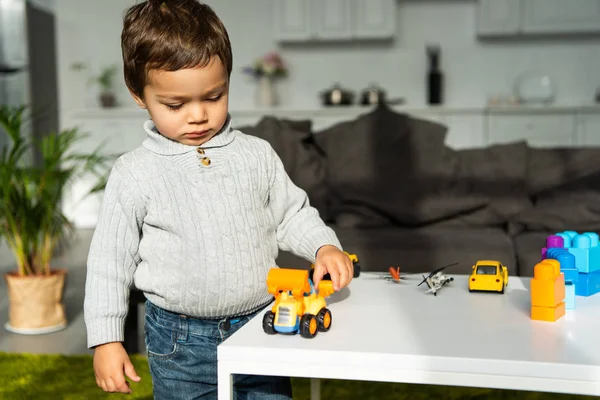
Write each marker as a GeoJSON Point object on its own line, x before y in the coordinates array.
{"type": "Point", "coordinates": [538, 130]}
{"type": "Point", "coordinates": [589, 129]}
{"type": "Point", "coordinates": [537, 17]}
{"type": "Point", "coordinates": [338, 20]}
{"type": "Point", "coordinates": [498, 17]}
{"type": "Point", "coordinates": [374, 19]}
{"type": "Point", "coordinates": [559, 16]}
{"type": "Point", "coordinates": [292, 20]}
{"type": "Point", "coordinates": [464, 131]}
{"type": "Point", "coordinates": [333, 19]}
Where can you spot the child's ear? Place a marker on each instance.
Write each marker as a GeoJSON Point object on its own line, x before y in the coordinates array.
{"type": "Point", "coordinates": [138, 100]}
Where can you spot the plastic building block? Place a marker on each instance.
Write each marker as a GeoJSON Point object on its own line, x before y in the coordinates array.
{"type": "Point", "coordinates": [570, 296]}
{"type": "Point", "coordinates": [547, 291]}
{"type": "Point", "coordinates": [548, 284]}
{"type": "Point", "coordinates": [548, 314]}
{"type": "Point", "coordinates": [553, 242]}
{"type": "Point", "coordinates": [584, 247]}
{"type": "Point", "coordinates": [588, 284]}
{"type": "Point", "coordinates": [567, 263]}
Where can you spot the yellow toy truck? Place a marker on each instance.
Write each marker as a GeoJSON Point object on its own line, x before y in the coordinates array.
{"type": "Point", "coordinates": [488, 276]}
{"type": "Point", "coordinates": [298, 307]}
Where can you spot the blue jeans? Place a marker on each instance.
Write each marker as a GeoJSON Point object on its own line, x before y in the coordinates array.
{"type": "Point", "coordinates": [182, 354]}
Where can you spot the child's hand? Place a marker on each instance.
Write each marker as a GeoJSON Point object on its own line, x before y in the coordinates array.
{"type": "Point", "coordinates": [110, 362]}
{"type": "Point", "coordinates": [332, 260]}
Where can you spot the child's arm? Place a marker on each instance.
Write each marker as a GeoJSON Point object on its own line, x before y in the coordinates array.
{"type": "Point", "coordinates": [113, 257]}
{"type": "Point", "coordinates": [300, 229]}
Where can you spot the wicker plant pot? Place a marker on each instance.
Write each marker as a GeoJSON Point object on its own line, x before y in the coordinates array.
{"type": "Point", "coordinates": [35, 303]}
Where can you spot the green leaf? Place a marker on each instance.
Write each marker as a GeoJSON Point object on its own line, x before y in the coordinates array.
{"type": "Point", "coordinates": [31, 216]}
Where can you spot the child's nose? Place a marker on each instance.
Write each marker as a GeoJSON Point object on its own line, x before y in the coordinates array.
{"type": "Point", "coordinates": [197, 114]}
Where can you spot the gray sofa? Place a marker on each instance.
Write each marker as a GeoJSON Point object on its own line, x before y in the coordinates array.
{"type": "Point", "coordinates": [397, 196]}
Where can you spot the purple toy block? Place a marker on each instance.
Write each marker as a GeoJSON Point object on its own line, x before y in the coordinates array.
{"type": "Point", "coordinates": [552, 242]}
{"type": "Point", "coordinates": [588, 284]}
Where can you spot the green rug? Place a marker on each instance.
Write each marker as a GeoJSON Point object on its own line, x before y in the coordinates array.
{"type": "Point", "coordinates": [57, 377]}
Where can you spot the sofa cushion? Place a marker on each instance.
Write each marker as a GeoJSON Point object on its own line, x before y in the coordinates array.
{"type": "Point", "coordinates": [388, 168]}
{"type": "Point", "coordinates": [528, 246]}
{"type": "Point", "coordinates": [550, 168]}
{"type": "Point", "coordinates": [301, 156]}
{"type": "Point", "coordinates": [497, 173]}
{"type": "Point", "coordinates": [421, 250]}
{"type": "Point", "coordinates": [573, 206]}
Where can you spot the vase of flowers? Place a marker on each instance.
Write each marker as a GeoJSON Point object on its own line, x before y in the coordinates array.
{"type": "Point", "coordinates": [266, 69]}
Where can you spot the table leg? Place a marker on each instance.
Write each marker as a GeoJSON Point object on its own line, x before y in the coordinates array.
{"type": "Point", "coordinates": [224, 383]}
{"type": "Point", "coordinates": [315, 389]}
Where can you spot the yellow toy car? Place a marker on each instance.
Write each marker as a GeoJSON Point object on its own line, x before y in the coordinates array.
{"type": "Point", "coordinates": [298, 307]}
{"type": "Point", "coordinates": [488, 276]}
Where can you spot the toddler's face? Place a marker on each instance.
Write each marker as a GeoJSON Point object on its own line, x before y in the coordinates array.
{"type": "Point", "coordinates": [189, 105]}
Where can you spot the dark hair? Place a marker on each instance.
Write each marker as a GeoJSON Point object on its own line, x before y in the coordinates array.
{"type": "Point", "coordinates": [170, 35]}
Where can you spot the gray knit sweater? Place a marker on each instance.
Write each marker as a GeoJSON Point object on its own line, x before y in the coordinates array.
{"type": "Point", "coordinates": [196, 229]}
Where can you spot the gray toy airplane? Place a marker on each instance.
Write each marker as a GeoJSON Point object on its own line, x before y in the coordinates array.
{"type": "Point", "coordinates": [437, 279]}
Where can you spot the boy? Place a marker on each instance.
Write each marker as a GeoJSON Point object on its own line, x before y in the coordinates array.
{"type": "Point", "coordinates": [194, 216]}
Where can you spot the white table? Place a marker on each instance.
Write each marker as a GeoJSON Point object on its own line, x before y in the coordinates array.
{"type": "Point", "coordinates": [384, 331]}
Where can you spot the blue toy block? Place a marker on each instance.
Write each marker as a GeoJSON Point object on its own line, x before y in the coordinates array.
{"type": "Point", "coordinates": [588, 284]}
{"type": "Point", "coordinates": [570, 296]}
{"type": "Point", "coordinates": [584, 247]}
{"type": "Point", "coordinates": [567, 263]}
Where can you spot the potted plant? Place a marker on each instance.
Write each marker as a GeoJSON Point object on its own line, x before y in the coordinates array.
{"type": "Point", "coordinates": [106, 82]}
{"type": "Point", "coordinates": [32, 221]}
{"type": "Point", "coordinates": [105, 79]}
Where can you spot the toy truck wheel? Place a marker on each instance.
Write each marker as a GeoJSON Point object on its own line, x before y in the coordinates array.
{"type": "Point", "coordinates": [308, 326]}
{"type": "Point", "coordinates": [267, 323]}
{"type": "Point", "coordinates": [356, 270]}
{"type": "Point", "coordinates": [324, 319]}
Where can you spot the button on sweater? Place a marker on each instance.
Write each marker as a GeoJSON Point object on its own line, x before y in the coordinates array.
{"type": "Point", "coordinates": [196, 229]}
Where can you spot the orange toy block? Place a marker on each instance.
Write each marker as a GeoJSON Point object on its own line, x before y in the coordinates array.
{"type": "Point", "coordinates": [548, 284]}
{"type": "Point", "coordinates": [549, 314]}
{"type": "Point", "coordinates": [547, 291]}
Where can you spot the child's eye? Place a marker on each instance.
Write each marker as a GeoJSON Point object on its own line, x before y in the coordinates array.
{"type": "Point", "coordinates": [174, 107]}
{"type": "Point", "coordinates": [214, 98]}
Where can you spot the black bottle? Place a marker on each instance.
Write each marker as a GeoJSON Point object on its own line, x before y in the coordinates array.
{"type": "Point", "coordinates": [435, 78]}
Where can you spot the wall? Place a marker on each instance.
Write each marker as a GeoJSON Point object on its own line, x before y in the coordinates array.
{"type": "Point", "coordinates": [89, 31]}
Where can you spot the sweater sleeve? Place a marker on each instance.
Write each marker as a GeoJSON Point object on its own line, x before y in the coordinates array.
{"type": "Point", "coordinates": [112, 258]}
{"type": "Point", "coordinates": [300, 229]}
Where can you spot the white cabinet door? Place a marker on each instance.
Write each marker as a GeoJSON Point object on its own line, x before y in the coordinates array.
{"type": "Point", "coordinates": [374, 19]}
{"type": "Point", "coordinates": [542, 130]}
{"type": "Point", "coordinates": [307, 20]}
{"type": "Point", "coordinates": [333, 19]}
{"type": "Point", "coordinates": [589, 129]}
{"type": "Point", "coordinates": [292, 20]}
{"type": "Point", "coordinates": [465, 131]}
{"type": "Point", "coordinates": [498, 17]}
{"type": "Point", "coordinates": [560, 16]}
